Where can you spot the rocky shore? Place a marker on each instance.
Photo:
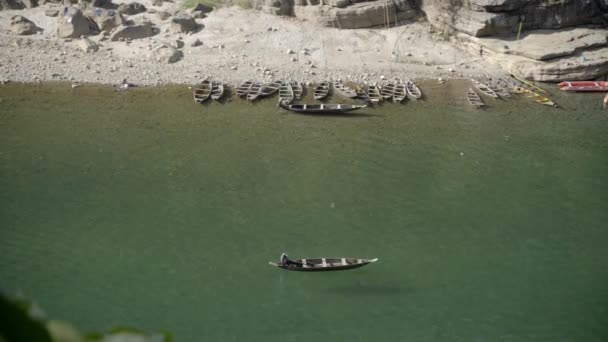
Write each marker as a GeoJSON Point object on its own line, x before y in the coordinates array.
{"type": "Point", "coordinates": [153, 42]}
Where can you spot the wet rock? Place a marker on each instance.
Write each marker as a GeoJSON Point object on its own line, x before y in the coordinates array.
{"type": "Point", "coordinates": [166, 54]}
{"type": "Point", "coordinates": [23, 26]}
{"type": "Point", "coordinates": [72, 24]}
{"type": "Point", "coordinates": [131, 8]}
{"type": "Point", "coordinates": [88, 45]}
{"type": "Point", "coordinates": [182, 22]}
{"type": "Point", "coordinates": [135, 31]}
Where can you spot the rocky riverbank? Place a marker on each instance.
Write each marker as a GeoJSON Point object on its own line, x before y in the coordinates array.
{"type": "Point", "coordinates": [153, 42]}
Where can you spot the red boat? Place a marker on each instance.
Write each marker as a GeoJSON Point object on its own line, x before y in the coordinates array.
{"type": "Point", "coordinates": [584, 86]}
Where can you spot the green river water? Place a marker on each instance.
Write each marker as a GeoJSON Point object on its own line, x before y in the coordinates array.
{"type": "Point", "coordinates": [145, 209]}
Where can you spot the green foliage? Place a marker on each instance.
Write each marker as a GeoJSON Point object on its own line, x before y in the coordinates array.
{"type": "Point", "coordinates": [19, 323]}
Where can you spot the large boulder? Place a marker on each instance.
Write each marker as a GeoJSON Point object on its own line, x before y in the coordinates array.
{"type": "Point", "coordinates": [11, 4]}
{"type": "Point", "coordinates": [106, 19]}
{"type": "Point", "coordinates": [23, 26]}
{"type": "Point", "coordinates": [184, 23]}
{"type": "Point", "coordinates": [166, 54]}
{"type": "Point", "coordinates": [131, 8]}
{"type": "Point", "coordinates": [72, 24]}
{"type": "Point", "coordinates": [135, 31]}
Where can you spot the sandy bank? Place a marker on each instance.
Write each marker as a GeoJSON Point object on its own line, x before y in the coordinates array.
{"type": "Point", "coordinates": [237, 44]}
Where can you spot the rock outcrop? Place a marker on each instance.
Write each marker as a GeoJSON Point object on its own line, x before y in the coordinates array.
{"type": "Point", "coordinates": [23, 26]}
{"type": "Point", "coordinates": [131, 8]}
{"type": "Point", "coordinates": [106, 19]}
{"type": "Point", "coordinates": [72, 24]}
{"type": "Point", "coordinates": [166, 54]}
{"type": "Point", "coordinates": [134, 31]}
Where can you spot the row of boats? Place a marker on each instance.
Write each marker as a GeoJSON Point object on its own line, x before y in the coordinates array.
{"type": "Point", "coordinates": [500, 89]}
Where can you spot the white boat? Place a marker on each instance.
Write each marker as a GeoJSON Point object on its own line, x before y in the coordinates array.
{"type": "Point", "coordinates": [344, 90]}
{"type": "Point", "coordinates": [243, 88]}
{"type": "Point", "coordinates": [484, 89]}
{"type": "Point", "coordinates": [399, 93]}
{"type": "Point", "coordinates": [286, 94]}
{"type": "Point", "coordinates": [217, 90]}
{"type": "Point", "coordinates": [387, 91]}
{"type": "Point", "coordinates": [322, 90]}
{"type": "Point", "coordinates": [202, 91]}
{"type": "Point", "coordinates": [254, 92]}
{"type": "Point", "coordinates": [413, 91]}
{"type": "Point", "coordinates": [323, 108]}
{"type": "Point", "coordinates": [373, 92]}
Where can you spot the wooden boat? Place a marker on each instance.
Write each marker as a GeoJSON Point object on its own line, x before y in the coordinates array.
{"type": "Point", "coordinates": [217, 90]}
{"type": "Point", "coordinates": [243, 88]}
{"type": "Point", "coordinates": [484, 89]}
{"type": "Point", "coordinates": [528, 84]}
{"type": "Point", "coordinates": [537, 97]}
{"type": "Point", "coordinates": [362, 94]}
{"type": "Point", "coordinates": [400, 92]}
{"type": "Point", "coordinates": [344, 90]}
{"type": "Point", "coordinates": [286, 93]}
{"type": "Point", "coordinates": [500, 90]}
{"type": "Point", "coordinates": [322, 90]}
{"type": "Point", "coordinates": [298, 90]}
{"type": "Point", "coordinates": [321, 264]}
{"type": "Point", "coordinates": [271, 88]}
{"type": "Point", "coordinates": [373, 92]}
{"type": "Point", "coordinates": [474, 99]}
{"type": "Point", "coordinates": [322, 108]}
{"type": "Point", "coordinates": [584, 86]}
{"type": "Point", "coordinates": [254, 92]}
{"type": "Point", "coordinates": [202, 91]}
{"type": "Point", "coordinates": [413, 91]}
{"type": "Point", "coordinates": [387, 91]}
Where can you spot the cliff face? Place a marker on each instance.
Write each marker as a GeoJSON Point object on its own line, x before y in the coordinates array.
{"type": "Point", "coordinates": [481, 18]}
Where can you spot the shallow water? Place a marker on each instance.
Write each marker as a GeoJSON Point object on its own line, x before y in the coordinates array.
{"type": "Point", "coordinates": [145, 209]}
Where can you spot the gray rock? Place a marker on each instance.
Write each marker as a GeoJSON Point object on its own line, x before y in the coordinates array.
{"type": "Point", "coordinates": [11, 4]}
{"type": "Point", "coordinates": [88, 45]}
{"type": "Point", "coordinates": [178, 44]}
{"type": "Point", "coordinates": [201, 8]}
{"type": "Point", "coordinates": [131, 8]}
{"type": "Point", "coordinates": [72, 24]}
{"type": "Point", "coordinates": [163, 15]}
{"type": "Point", "coordinates": [106, 19]}
{"type": "Point", "coordinates": [23, 26]}
{"type": "Point", "coordinates": [182, 22]}
{"type": "Point", "coordinates": [364, 14]}
{"type": "Point", "coordinates": [51, 12]}
{"type": "Point", "coordinates": [195, 42]}
{"type": "Point", "coordinates": [135, 31]}
{"type": "Point", "coordinates": [166, 54]}
{"type": "Point", "coordinates": [106, 4]}
{"type": "Point", "coordinates": [198, 15]}
{"type": "Point", "coordinates": [30, 3]}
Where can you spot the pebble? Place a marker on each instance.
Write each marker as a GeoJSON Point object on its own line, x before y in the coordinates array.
{"type": "Point", "coordinates": [289, 51]}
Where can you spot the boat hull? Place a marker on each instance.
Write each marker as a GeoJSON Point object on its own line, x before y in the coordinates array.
{"type": "Point", "coordinates": [324, 264]}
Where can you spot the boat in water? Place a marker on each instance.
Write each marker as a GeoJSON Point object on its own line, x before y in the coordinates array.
{"type": "Point", "coordinates": [286, 93]}
{"type": "Point", "coordinates": [400, 92]}
{"type": "Point", "coordinates": [243, 88]}
{"type": "Point", "coordinates": [484, 89]}
{"type": "Point", "coordinates": [413, 91]}
{"type": "Point", "coordinates": [387, 91]}
{"type": "Point", "coordinates": [343, 90]}
{"type": "Point", "coordinates": [373, 92]}
{"type": "Point", "coordinates": [217, 90]}
{"type": "Point", "coordinates": [323, 108]}
{"type": "Point", "coordinates": [537, 97]}
{"type": "Point", "coordinates": [255, 91]}
{"type": "Point", "coordinates": [271, 88]}
{"type": "Point", "coordinates": [320, 264]}
{"type": "Point", "coordinates": [474, 99]}
{"type": "Point", "coordinates": [322, 90]}
{"type": "Point", "coordinates": [202, 91]}
{"type": "Point", "coordinates": [298, 90]}
{"type": "Point", "coordinates": [584, 86]}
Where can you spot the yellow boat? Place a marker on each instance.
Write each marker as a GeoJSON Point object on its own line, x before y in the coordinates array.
{"type": "Point", "coordinates": [529, 84]}
{"type": "Point", "coordinates": [537, 97]}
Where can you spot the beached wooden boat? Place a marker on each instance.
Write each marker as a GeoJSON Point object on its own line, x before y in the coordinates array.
{"type": "Point", "coordinates": [584, 86]}
{"type": "Point", "coordinates": [537, 97]}
{"type": "Point", "coordinates": [413, 91]}
{"type": "Point", "coordinates": [286, 93]}
{"type": "Point", "coordinates": [343, 90]}
{"type": "Point", "coordinates": [474, 99]}
{"type": "Point", "coordinates": [254, 92]}
{"type": "Point", "coordinates": [387, 91]}
{"type": "Point", "coordinates": [484, 89]}
{"type": "Point", "coordinates": [362, 94]}
{"type": "Point", "coordinates": [400, 92]}
{"type": "Point", "coordinates": [528, 84]}
{"type": "Point", "coordinates": [298, 90]}
{"type": "Point", "coordinates": [271, 88]}
{"type": "Point", "coordinates": [323, 108]}
{"type": "Point", "coordinates": [320, 264]}
{"type": "Point", "coordinates": [373, 92]}
{"type": "Point", "coordinates": [243, 88]}
{"type": "Point", "coordinates": [217, 90]}
{"type": "Point", "coordinates": [322, 90]}
{"type": "Point", "coordinates": [202, 91]}
{"type": "Point", "coordinates": [501, 90]}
